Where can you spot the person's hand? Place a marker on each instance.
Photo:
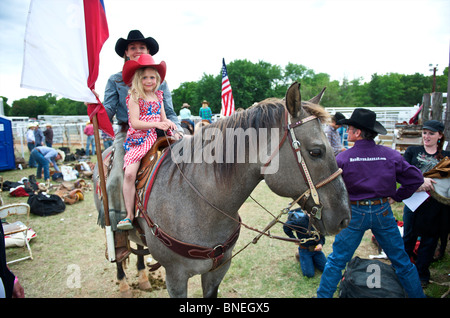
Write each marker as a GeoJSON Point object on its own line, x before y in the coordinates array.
{"type": "Point", "coordinates": [18, 291]}
{"type": "Point", "coordinates": [318, 248]}
{"type": "Point", "coordinates": [96, 95]}
{"type": "Point", "coordinates": [163, 125]}
{"type": "Point", "coordinates": [171, 124]}
{"type": "Point", "coordinates": [427, 185]}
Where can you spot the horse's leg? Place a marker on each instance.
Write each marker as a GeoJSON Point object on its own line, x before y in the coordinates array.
{"type": "Point", "coordinates": [176, 282]}
{"type": "Point", "coordinates": [144, 284]}
{"type": "Point", "coordinates": [124, 288]}
{"type": "Point", "coordinates": [211, 281]}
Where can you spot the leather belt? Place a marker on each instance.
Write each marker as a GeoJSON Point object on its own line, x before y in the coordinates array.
{"type": "Point", "coordinates": [309, 248]}
{"type": "Point", "coordinates": [370, 202]}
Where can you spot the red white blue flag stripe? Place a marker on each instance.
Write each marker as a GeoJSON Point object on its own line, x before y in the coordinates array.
{"type": "Point", "coordinates": [227, 94]}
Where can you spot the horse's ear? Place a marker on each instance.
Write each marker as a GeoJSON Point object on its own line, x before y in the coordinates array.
{"type": "Point", "coordinates": [294, 100]}
{"type": "Point", "coordinates": [316, 99]}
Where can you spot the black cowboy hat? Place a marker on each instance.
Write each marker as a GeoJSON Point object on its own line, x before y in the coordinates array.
{"type": "Point", "coordinates": [364, 119]}
{"type": "Point", "coordinates": [339, 116]}
{"type": "Point", "coordinates": [136, 36]}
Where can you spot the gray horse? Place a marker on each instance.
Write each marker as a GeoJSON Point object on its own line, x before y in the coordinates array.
{"type": "Point", "coordinates": [191, 222]}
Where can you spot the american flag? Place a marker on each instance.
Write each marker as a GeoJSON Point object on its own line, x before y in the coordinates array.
{"type": "Point", "coordinates": [227, 94]}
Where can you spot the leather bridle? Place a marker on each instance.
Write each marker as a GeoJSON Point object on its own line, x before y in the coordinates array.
{"type": "Point", "coordinates": [316, 210]}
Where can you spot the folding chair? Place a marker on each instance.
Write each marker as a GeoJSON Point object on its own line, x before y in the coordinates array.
{"type": "Point", "coordinates": [18, 226]}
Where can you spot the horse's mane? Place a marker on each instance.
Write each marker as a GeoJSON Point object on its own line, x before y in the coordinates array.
{"type": "Point", "coordinates": [269, 113]}
{"type": "Point", "coordinates": [266, 114]}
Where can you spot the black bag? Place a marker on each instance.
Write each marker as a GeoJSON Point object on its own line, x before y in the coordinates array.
{"type": "Point", "coordinates": [366, 278]}
{"type": "Point", "coordinates": [46, 204]}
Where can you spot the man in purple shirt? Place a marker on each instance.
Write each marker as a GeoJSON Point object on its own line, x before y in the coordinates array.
{"type": "Point", "coordinates": [371, 173]}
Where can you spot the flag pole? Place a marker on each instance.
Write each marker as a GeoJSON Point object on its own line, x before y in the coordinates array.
{"type": "Point", "coordinates": [109, 233]}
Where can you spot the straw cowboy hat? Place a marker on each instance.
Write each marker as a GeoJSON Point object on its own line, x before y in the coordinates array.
{"type": "Point", "coordinates": [145, 60]}
{"type": "Point", "coordinates": [205, 102]}
{"type": "Point", "coordinates": [62, 154]}
{"type": "Point", "coordinates": [136, 36]}
{"type": "Point", "coordinates": [185, 105]}
{"type": "Point", "coordinates": [364, 119]}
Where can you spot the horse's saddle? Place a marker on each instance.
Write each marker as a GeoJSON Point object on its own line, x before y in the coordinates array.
{"type": "Point", "coordinates": [186, 124]}
{"type": "Point", "coordinates": [147, 171]}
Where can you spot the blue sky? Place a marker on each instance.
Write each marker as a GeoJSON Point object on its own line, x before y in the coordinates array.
{"type": "Point", "coordinates": [343, 38]}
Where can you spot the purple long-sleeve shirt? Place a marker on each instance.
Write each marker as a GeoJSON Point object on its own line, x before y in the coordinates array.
{"type": "Point", "coordinates": [372, 171]}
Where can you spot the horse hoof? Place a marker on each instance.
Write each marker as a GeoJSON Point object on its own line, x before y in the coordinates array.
{"type": "Point", "coordinates": [125, 290]}
{"type": "Point", "coordinates": [145, 285]}
{"type": "Point", "coordinates": [126, 294]}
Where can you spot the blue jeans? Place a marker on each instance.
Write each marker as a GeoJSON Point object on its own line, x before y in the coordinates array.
{"type": "Point", "coordinates": [31, 162]}
{"type": "Point", "coordinates": [42, 163]}
{"type": "Point", "coordinates": [381, 221]}
{"type": "Point", "coordinates": [90, 142]}
{"type": "Point", "coordinates": [309, 261]}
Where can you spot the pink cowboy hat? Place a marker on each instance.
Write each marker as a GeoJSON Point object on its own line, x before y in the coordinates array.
{"type": "Point", "coordinates": [145, 60]}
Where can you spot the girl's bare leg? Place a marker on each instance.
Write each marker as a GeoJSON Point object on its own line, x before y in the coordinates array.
{"type": "Point", "coordinates": [129, 188]}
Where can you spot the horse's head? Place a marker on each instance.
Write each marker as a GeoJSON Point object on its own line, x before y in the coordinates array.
{"type": "Point", "coordinates": [307, 169]}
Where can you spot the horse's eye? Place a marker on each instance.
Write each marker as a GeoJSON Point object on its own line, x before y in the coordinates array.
{"type": "Point", "coordinates": [315, 152]}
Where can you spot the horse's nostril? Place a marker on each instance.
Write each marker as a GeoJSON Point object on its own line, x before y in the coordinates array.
{"type": "Point", "coordinates": [344, 223]}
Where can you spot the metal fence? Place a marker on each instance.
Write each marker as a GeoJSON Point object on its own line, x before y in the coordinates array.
{"type": "Point", "coordinates": [65, 134]}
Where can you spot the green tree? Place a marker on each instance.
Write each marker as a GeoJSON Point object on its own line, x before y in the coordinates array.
{"type": "Point", "coordinates": [208, 88]}
{"type": "Point", "coordinates": [185, 93]}
{"type": "Point", "coordinates": [6, 106]}
{"type": "Point", "coordinates": [414, 87]}
{"type": "Point", "coordinates": [386, 90]}
{"type": "Point", "coordinates": [441, 81]}
{"type": "Point", "coordinates": [32, 106]}
{"type": "Point", "coordinates": [252, 82]}
{"type": "Point", "coordinates": [67, 107]}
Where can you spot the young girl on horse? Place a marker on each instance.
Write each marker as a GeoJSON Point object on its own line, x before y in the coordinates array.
{"type": "Point", "coordinates": [145, 115]}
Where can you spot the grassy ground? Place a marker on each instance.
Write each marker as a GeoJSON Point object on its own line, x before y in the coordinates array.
{"type": "Point", "coordinates": [69, 256]}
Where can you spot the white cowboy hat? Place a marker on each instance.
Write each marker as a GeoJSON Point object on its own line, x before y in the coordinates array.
{"type": "Point", "coordinates": [62, 154]}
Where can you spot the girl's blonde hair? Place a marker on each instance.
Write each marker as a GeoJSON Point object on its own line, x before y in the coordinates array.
{"type": "Point", "coordinates": [137, 89]}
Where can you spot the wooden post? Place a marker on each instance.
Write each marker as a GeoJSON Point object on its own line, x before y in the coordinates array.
{"type": "Point", "coordinates": [108, 230]}
{"type": "Point", "coordinates": [426, 102]}
{"type": "Point", "coordinates": [436, 106]}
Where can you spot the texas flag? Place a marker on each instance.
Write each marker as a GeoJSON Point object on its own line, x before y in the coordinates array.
{"type": "Point", "coordinates": [63, 40]}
